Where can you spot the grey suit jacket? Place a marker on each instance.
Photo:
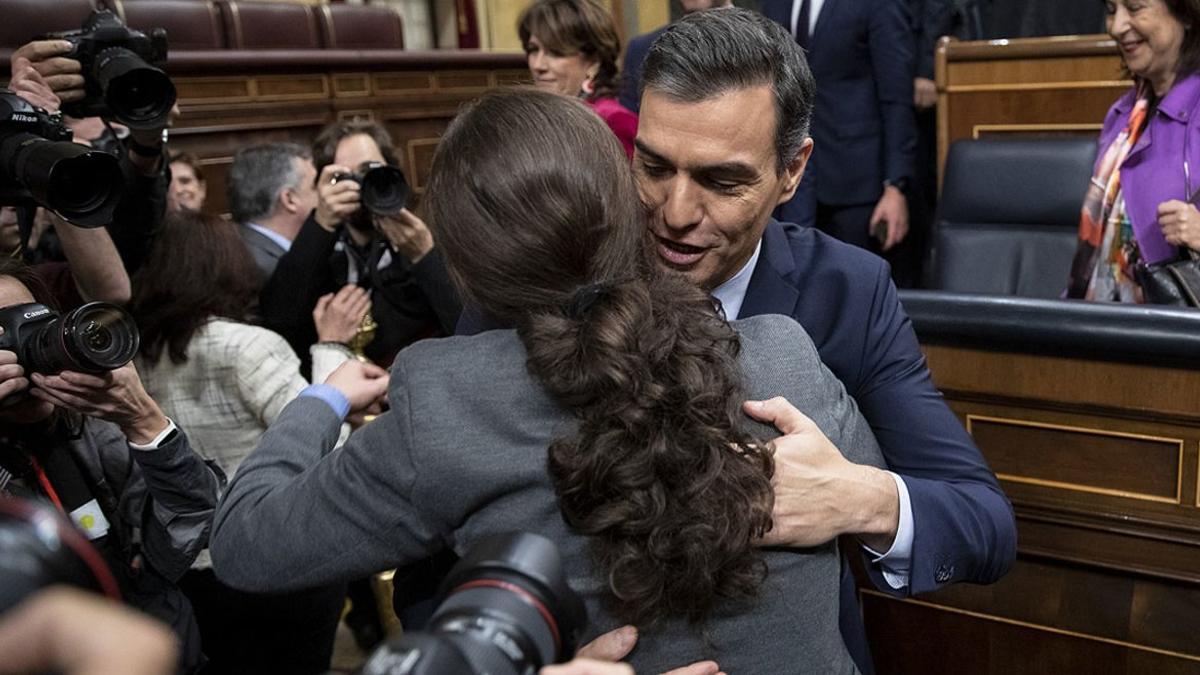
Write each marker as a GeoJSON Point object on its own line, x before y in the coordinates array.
{"type": "Point", "coordinates": [462, 454]}
{"type": "Point", "coordinates": [266, 252]}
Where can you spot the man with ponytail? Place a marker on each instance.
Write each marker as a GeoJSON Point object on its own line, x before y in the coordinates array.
{"type": "Point", "coordinates": [604, 412]}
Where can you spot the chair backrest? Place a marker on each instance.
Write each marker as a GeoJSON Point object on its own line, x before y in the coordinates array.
{"type": "Point", "coordinates": [1009, 215]}
{"type": "Point", "coordinates": [361, 27]}
{"type": "Point", "coordinates": [190, 24]}
{"type": "Point", "coordinates": [271, 25]}
{"type": "Point", "coordinates": [26, 19]}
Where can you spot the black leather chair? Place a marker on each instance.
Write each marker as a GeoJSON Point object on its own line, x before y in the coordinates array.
{"type": "Point", "coordinates": [1009, 215]}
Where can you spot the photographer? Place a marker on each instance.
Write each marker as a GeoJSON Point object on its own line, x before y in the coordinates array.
{"type": "Point", "coordinates": [393, 257]}
{"type": "Point", "coordinates": [100, 449]}
{"type": "Point", "coordinates": [142, 153]}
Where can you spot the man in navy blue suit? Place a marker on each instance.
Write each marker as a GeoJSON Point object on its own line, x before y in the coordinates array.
{"type": "Point", "coordinates": [635, 54]}
{"type": "Point", "coordinates": [722, 141]}
{"type": "Point", "coordinates": [862, 55]}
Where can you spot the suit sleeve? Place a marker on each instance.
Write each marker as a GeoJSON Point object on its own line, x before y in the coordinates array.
{"type": "Point", "coordinates": [300, 278]}
{"type": "Point", "coordinates": [139, 215]}
{"type": "Point", "coordinates": [631, 74]}
{"type": "Point", "coordinates": [893, 59]}
{"type": "Point", "coordinates": [964, 529]}
{"type": "Point", "coordinates": [299, 514]}
{"type": "Point", "coordinates": [931, 20]}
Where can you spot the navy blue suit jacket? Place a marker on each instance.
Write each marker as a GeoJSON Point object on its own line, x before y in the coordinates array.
{"type": "Point", "coordinates": [631, 69]}
{"type": "Point", "coordinates": [863, 58]}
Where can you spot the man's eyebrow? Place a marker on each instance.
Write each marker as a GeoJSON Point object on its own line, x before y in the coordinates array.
{"type": "Point", "coordinates": [645, 150]}
{"type": "Point", "coordinates": [734, 169]}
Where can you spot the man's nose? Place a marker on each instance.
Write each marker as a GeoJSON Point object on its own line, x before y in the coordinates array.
{"type": "Point", "coordinates": [682, 209]}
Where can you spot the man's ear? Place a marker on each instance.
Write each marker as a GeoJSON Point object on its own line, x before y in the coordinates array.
{"type": "Point", "coordinates": [794, 171]}
{"type": "Point", "coordinates": [287, 199]}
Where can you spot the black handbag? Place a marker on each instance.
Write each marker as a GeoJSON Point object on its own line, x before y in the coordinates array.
{"type": "Point", "coordinates": [1171, 283]}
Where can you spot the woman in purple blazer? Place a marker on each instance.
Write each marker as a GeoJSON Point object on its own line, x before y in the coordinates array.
{"type": "Point", "coordinates": [1141, 205]}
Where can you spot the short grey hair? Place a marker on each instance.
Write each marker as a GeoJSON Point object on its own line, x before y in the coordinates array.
{"type": "Point", "coordinates": [707, 53]}
{"type": "Point", "coordinates": [259, 173]}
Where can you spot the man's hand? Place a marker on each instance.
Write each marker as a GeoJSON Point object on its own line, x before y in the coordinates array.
{"type": "Point", "coordinates": [63, 75]}
{"type": "Point", "coordinates": [339, 315]}
{"type": "Point", "coordinates": [1180, 223]}
{"type": "Point", "coordinates": [579, 666]}
{"type": "Point", "coordinates": [408, 234]}
{"type": "Point", "coordinates": [336, 201]}
{"type": "Point", "coordinates": [29, 84]}
{"type": "Point", "coordinates": [924, 93]}
{"type": "Point", "coordinates": [891, 212]}
{"type": "Point", "coordinates": [116, 396]}
{"type": "Point", "coordinates": [616, 645]}
{"type": "Point", "coordinates": [64, 630]}
{"type": "Point", "coordinates": [363, 384]}
{"type": "Point", "coordinates": [819, 494]}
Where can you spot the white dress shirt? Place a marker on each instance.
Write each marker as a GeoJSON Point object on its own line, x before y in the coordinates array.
{"type": "Point", "coordinates": [814, 12]}
{"type": "Point", "coordinates": [284, 242]}
{"type": "Point", "coordinates": [896, 563]}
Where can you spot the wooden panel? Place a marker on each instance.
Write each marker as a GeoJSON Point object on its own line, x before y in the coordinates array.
{"type": "Point", "coordinates": [402, 83]}
{"type": "Point", "coordinates": [932, 639]}
{"type": "Point", "coordinates": [195, 90]}
{"type": "Point", "coordinates": [293, 87]}
{"type": "Point", "coordinates": [348, 85]}
{"type": "Point", "coordinates": [1059, 457]}
{"type": "Point", "coordinates": [1031, 85]}
{"type": "Point", "coordinates": [470, 81]}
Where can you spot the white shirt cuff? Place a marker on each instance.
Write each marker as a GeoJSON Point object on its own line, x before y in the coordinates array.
{"type": "Point", "coordinates": [159, 439]}
{"type": "Point", "coordinates": [896, 564]}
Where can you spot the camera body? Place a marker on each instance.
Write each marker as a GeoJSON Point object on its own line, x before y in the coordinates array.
{"type": "Point", "coordinates": [506, 610]}
{"type": "Point", "coordinates": [39, 163]}
{"type": "Point", "coordinates": [122, 72]}
{"type": "Point", "coordinates": [95, 338]}
{"type": "Point", "coordinates": [384, 189]}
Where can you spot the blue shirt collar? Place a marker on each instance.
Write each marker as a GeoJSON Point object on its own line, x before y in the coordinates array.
{"type": "Point", "coordinates": [733, 292]}
{"type": "Point", "coordinates": [284, 242]}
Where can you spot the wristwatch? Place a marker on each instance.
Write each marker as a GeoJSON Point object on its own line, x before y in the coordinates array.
{"type": "Point", "coordinates": [900, 183]}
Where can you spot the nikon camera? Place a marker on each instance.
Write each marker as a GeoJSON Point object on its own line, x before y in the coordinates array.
{"type": "Point", "coordinates": [39, 163]}
{"type": "Point", "coordinates": [122, 72]}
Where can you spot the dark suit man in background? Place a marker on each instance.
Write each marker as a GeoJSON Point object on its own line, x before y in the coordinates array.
{"type": "Point", "coordinates": [271, 192]}
{"type": "Point", "coordinates": [635, 54]}
{"type": "Point", "coordinates": [862, 56]}
{"type": "Point", "coordinates": [722, 141]}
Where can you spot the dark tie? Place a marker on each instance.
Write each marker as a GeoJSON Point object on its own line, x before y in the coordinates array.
{"type": "Point", "coordinates": [802, 26]}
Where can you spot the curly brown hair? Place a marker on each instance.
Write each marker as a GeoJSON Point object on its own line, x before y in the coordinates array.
{"type": "Point", "coordinates": [545, 233]}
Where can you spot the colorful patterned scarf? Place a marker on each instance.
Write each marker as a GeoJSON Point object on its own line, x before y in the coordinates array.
{"type": "Point", "coordinates": [1108, 251]}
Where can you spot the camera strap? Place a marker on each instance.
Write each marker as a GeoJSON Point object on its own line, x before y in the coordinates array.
{"type": "Point", "coordinates": [25, 215]}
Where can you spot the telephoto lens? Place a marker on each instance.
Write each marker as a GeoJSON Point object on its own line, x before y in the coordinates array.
{"type": "Point", "coordinates": [95, 338]}
{"type": "Point", "coordinates": [136, 92]}
{"type": "Point", "coordinates": [507, 610]}
{"type": "Point", "coordinates": [38, 548]}
{"type": "Point", "coordinates": [384, 189]}
{"type": "Point", "coordinates": [38, 162]}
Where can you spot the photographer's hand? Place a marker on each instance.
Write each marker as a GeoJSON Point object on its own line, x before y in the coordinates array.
{"type": "Point", "coordinates": [339, 315]}
{"type": "Point", "coordinates": [337, 200]}
{"type": "Point", "coordinates": [29, 84]}
{"type": "Point", "coordinates": [408, 234]}
{"type": "Point", "coordinates": [116, 397]}
{"type": "Point", "coordinates": [63, 75]}
{"type": "Point", "coordinates": [616, 644]}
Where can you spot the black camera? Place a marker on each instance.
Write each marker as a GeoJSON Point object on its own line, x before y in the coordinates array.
{"type": "Point", "coordinates": [39, 548]}
{"type": "Point", "coordinates": [507, 610]}
{"type": "Point", "coordinates": [38, 162]}
{"type": "Point", "coordinates": [95, 338]}
{"type": "Point", "coordinates": [384, 189]}
{"type": "Point", "coordinates": [122, 72]}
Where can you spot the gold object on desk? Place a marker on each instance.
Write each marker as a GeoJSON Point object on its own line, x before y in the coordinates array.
{"type": "Point", "coordinates": [364, 336]}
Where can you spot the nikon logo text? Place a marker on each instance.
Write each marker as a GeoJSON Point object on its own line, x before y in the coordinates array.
{"type": "Point", "coordinates": [22, 117]}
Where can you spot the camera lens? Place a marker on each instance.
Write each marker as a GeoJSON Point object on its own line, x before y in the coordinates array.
{"type": "Point", "coordinates": [384, 190]}
{"type": "Point", "coordinates": [137, 93]}
{"type": "Point", "coordinates": [72, 180]}
{"type": "Point", "coordinates": [508, 611]}
{"type": "Point", "coordinates": [95, 338]}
